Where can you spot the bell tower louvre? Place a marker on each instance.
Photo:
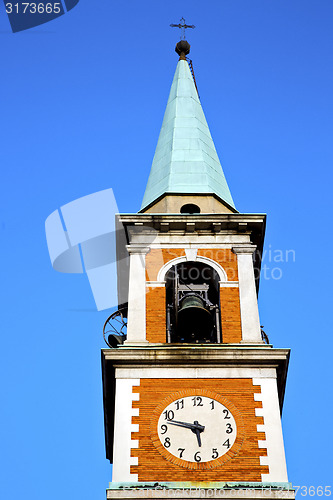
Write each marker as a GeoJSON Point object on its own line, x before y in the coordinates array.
{"type": "Point", "coordinates": [193, 393]}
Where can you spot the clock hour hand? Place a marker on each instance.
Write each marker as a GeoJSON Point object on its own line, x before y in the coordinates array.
{"type": "Point", "coordinates": [196, 428]}
{"type": "Point", "coordinates": [197, 432]}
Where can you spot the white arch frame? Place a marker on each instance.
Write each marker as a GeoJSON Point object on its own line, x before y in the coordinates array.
{"type": "Point", "coordinates": [205, 260]}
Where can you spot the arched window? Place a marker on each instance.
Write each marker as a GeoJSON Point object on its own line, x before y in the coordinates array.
{"type": "Point", "coordinates": [190, 208]}
{"type": "Point", "coordinates": [193, 304]}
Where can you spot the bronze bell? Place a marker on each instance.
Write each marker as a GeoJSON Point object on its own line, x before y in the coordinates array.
{"type": "Point", "coordinates": [194, 320]}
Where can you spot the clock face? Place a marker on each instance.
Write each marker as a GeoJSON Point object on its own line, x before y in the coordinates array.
{"type": "Point", "coordinates": [196, 428]}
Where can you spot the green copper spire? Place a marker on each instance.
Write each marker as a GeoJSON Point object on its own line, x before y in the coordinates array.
{"type": "Point", "coordinates": [185, 160]}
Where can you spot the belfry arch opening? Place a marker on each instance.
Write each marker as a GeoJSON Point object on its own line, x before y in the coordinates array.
{"type": "Point", "coordinates": [193, 304]}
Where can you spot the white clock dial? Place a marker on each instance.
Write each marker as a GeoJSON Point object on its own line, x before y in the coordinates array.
{"type": "Point", "coordinates": [197, 429]}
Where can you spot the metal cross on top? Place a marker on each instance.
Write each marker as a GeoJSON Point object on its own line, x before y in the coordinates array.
{"type": "Point", "coordinates": [183, 26]}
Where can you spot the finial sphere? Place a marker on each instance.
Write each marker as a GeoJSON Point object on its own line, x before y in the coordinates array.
{"type": "Point", "coordinates": [183, 48]}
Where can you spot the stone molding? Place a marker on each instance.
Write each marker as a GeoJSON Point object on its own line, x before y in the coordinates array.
{"type": "Point", "coordinates": [137, 249]}
{"type": "Point", "coordinates": [244, 249]}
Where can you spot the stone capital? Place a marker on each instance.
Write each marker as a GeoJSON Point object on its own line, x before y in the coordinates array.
{"type": "Point", "coordinates": [244, 249]}
{"type": "Point", "coordinates": [136, 249]}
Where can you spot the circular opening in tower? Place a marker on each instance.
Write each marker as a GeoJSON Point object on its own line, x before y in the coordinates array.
{"type": "Point", "coordinates": [190, 208]}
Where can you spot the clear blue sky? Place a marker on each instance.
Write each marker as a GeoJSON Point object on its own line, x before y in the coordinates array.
{"type": "Point", "coordinates": [82, 102]}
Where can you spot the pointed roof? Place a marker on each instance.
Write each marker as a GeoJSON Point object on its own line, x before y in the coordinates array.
{"type": "Point", "coordinates": [185, 160]}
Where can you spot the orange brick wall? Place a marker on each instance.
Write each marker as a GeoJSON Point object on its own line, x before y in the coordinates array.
{"type": "Point", "coordinates": [244, 465]}
{"type": "Point", "coordinates": [155, 315]}
{"type": "Point", "coordinates": [230, 315]}
{"type": "Point", "coordinates": [225, 257]}
{"type": "Point", "coordinates": [157, 257]}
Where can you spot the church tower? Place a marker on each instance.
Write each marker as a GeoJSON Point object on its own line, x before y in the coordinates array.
{"type": "Point", "coordinates": [193, 394]}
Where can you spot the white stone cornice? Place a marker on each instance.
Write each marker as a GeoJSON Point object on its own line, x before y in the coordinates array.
{"type": "Point", "coordinates": [208, 372]}
{"type": "Point", "coordinates": [137, 249]}
{"type": "Point", "coordinates": [244, 249]}
{"type": "Point", "coordinates": [207, 354]}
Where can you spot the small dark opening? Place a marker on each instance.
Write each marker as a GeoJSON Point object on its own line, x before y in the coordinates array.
{"type": "Point", "coordinates": [190, 208]}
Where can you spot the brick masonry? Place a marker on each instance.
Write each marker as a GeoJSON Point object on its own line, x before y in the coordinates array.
{"type": "Point", "coordinates": [155, 315]}
{"type": "Point", "coordinates": [157, 257]}
{"type": "Point", "coordinates": [241, 463]}
{"type": "Point", "coordinates": [225, 257]}
{"type": "Point", "coordinates": [230, 315]}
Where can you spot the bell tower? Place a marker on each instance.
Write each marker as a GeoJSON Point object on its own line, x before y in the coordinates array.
{"type": "Point", "coordinates": [192, 394]}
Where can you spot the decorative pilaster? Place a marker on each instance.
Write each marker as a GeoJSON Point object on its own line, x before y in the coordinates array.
{"type": "Point", "coordinates": [251, 333]}
{"type": "Point", "coordinates": [136, 325]}
{"type": "Point", "coordinates": [123, 428]}
{"type": "Point", "coordinates": [273, 442]}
